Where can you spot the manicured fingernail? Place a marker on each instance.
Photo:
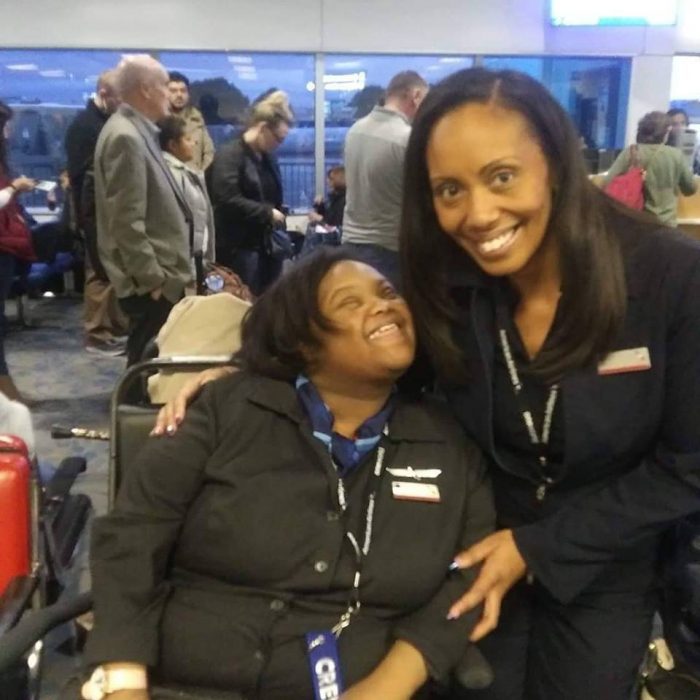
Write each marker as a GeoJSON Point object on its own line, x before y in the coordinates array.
{"type": "Point", "coordinates": [452, 615]}
{"type": "Point", "coordinates": [454, 566]}
{"type": "Point", "coordinates": [170, 429]}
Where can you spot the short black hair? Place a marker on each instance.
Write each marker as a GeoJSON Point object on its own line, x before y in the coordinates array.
{"type": "Point", "coordinates": [177, 77]}
{"type": "Point", "coordinates": [677, 110]}
{"type": "Point", "coordinates": [172, 128]}
{"type": "Point", "coordinates": [279, 330]}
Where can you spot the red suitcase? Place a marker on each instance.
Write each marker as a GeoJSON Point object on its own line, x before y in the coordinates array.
{"type": "Point", "coordinates": [15, 515]}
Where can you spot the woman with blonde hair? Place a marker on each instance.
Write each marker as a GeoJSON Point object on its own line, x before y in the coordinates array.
{"type": "Point", "coordinates": [246, 191]}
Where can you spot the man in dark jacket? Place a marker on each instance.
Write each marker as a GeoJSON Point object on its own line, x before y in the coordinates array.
{"type": "Point", "coordinates": [104, 322]}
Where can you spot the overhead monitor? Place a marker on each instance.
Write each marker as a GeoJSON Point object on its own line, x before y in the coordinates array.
{"type": "Point", "coordinates": [600, 13]}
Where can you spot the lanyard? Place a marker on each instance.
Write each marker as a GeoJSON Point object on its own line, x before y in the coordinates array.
{"type": "Point", "coordinates": [360, 552]}
{"type": "Point", "coordinates": [539, 441]}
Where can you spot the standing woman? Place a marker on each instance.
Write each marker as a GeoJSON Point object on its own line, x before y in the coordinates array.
{"type": "Point", "coordinates": [15, 240]}
{"type": "Point", "coordinates": [246, 190]}
{"type": "Point", "coordinates": [565, 332]}
{"type": "Point", "coordinates": [666, 171]}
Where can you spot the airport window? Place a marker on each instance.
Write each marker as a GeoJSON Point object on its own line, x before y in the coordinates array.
{"type": "Point", "coordinates": [354, 83]}
{"type": "Point", "coordinates": [47, 87]}
{"type": "Point", "coordinates": [594, 91]}
{"type": "Point", "coordinates": [684, 87]}
{"type": "Point", "coordinates": [236, 79]}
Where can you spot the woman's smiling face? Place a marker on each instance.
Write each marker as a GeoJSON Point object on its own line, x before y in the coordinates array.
{"type": "Point", "coordinates": [490, 186]}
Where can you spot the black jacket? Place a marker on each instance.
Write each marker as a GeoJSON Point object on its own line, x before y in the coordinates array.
{"type": "Point", "coordinates": [242, 215]}
{"type": "Point", "coordinates": [632, 440]}
{"type": "Point", "coordinates": [80, 143]}
{"type": "Point", "coordinates": [226, 545]}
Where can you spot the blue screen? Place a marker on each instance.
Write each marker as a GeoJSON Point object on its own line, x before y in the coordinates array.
{"type": "Point", "coordinates": [613, 12]}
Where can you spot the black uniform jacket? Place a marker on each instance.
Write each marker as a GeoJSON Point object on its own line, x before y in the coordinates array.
{"type": "Point", "coordinates": [631, 440]}
{"type": "Point", "coordinates": [242, 213]}
{"type": "Point", "coordinates": [227, 544]}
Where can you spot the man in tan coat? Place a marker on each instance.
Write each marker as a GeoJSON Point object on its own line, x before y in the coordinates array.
{"type": "Point", "coordinates": [202, 145]}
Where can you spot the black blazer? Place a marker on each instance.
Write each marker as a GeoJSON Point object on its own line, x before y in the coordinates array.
{"type": "Point", "coordinates": [242, 216]}
{"type": "Point", "coordinates": [632, 440]}
{"type": "Point", "coordinates": [226, 545]}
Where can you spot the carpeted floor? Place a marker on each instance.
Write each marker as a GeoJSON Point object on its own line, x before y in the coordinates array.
{"type": "Point", "coordinates": [68, 386]}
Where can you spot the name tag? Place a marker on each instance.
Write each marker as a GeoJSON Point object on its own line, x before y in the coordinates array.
{"type": "Point", "coordinates": [632, 360]}
{"type": "Point", "coordinates": [324, 663]}
{"type": "Point", "coordinates": [418, 474]}
{"type": "Point", "coordinates": [412, 491]}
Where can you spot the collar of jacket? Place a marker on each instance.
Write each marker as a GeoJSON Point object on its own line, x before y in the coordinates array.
{"type": "Point", "coordinates": [92, 107]}
{"type": "Point", "coordinates": [170, 159]}
{"type": "Point", "coordinates": [410, 422]}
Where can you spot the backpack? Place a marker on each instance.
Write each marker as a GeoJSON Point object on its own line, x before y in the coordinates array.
{"type": "Point", "coordinates": [628, 188]}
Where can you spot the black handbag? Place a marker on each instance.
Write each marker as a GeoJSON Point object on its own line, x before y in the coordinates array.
{"type": "Point", "coordinates": [277, 244]}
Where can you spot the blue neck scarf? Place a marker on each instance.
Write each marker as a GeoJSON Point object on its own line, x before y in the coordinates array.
{"type": "Point", "coordinates": [346, 452]}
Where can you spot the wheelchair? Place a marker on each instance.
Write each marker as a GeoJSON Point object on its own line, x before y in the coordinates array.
{"type": "Point", "coordinates": [130, 426]}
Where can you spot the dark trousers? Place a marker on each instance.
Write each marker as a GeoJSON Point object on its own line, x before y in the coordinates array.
{"type": "Point", "coordinates": [543, 650]}
{"type": "Point", "coordinates": [146, 318]}
{"type": "Point", "coordinates": [7, 271]}
{"type": "Point", "coordinates": [257, 269]}
{"type": "Point", "coordinates": [380, 258]}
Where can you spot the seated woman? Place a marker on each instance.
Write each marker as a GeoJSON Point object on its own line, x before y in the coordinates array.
{"type": "Point", "coordinates": [302, 500]}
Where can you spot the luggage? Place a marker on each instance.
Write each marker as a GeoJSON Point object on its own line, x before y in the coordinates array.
{"type": "Point", "coordinates": [15, 509]}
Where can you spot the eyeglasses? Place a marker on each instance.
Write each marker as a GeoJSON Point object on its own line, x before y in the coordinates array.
{"type": "Point", "coordinates": [278, 139]}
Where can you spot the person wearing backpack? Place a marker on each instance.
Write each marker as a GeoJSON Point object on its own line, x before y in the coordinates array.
{"type": "Point", "coordinates": [661, 170]}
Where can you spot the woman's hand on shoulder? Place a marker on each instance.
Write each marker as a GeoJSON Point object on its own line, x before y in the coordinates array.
{"type": "Point", "coordinates": [502, 566]}
{"type": "Point", "coordinates": [172, 413]}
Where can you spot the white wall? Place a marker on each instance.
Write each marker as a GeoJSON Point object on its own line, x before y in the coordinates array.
{"type": "Point", "coordinates": [408, 26]}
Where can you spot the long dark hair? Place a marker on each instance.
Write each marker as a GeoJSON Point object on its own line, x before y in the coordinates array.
{"type": "Point", "coordinates": [593, 283]}
{"type": "Point", "coordinates": [281, 328]}
{"type": "Point", "coordinates": [6, 114]}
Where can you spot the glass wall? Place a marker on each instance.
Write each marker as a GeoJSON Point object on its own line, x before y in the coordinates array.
{"type": "Point", "coordinates": [685, 91]}
{"type": "Point", "coordinates": [47, 87]}
{"type": "Point", "coordinates": [237, 79]}
{"type": "Point", "coordinates": [594, 91]}
{"type": "Point", "coordinates": [355, 83]}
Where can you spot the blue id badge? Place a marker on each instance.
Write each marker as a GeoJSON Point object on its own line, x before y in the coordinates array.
{"type": "Point", "coordinates": [322, 650]}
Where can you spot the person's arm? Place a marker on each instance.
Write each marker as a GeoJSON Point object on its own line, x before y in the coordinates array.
{"type": "Point", "coordinates": [131, 547]}
{"type": "Point", "coordinates": [123, 167]}
{"type": "Point", "coordinates": [687, 183]}
{"type": "Point", "coordinates": [399, 675]}
{"type": "Point", "coordinates": [227, 194]}
{"type": "Point", "coordinates": [621, 165]}
{"type": "Point", "coordinates": [568, 550]}
{"type": "Point", "coordinates": [172, 413]}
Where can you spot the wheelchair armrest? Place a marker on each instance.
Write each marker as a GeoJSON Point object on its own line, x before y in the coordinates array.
{"type": "Point", "coordinates": [15, 600]}
{"type": "Point", "coordinates": [34, 625]}
{"type": "Point", "coordinates": [474, 671]}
